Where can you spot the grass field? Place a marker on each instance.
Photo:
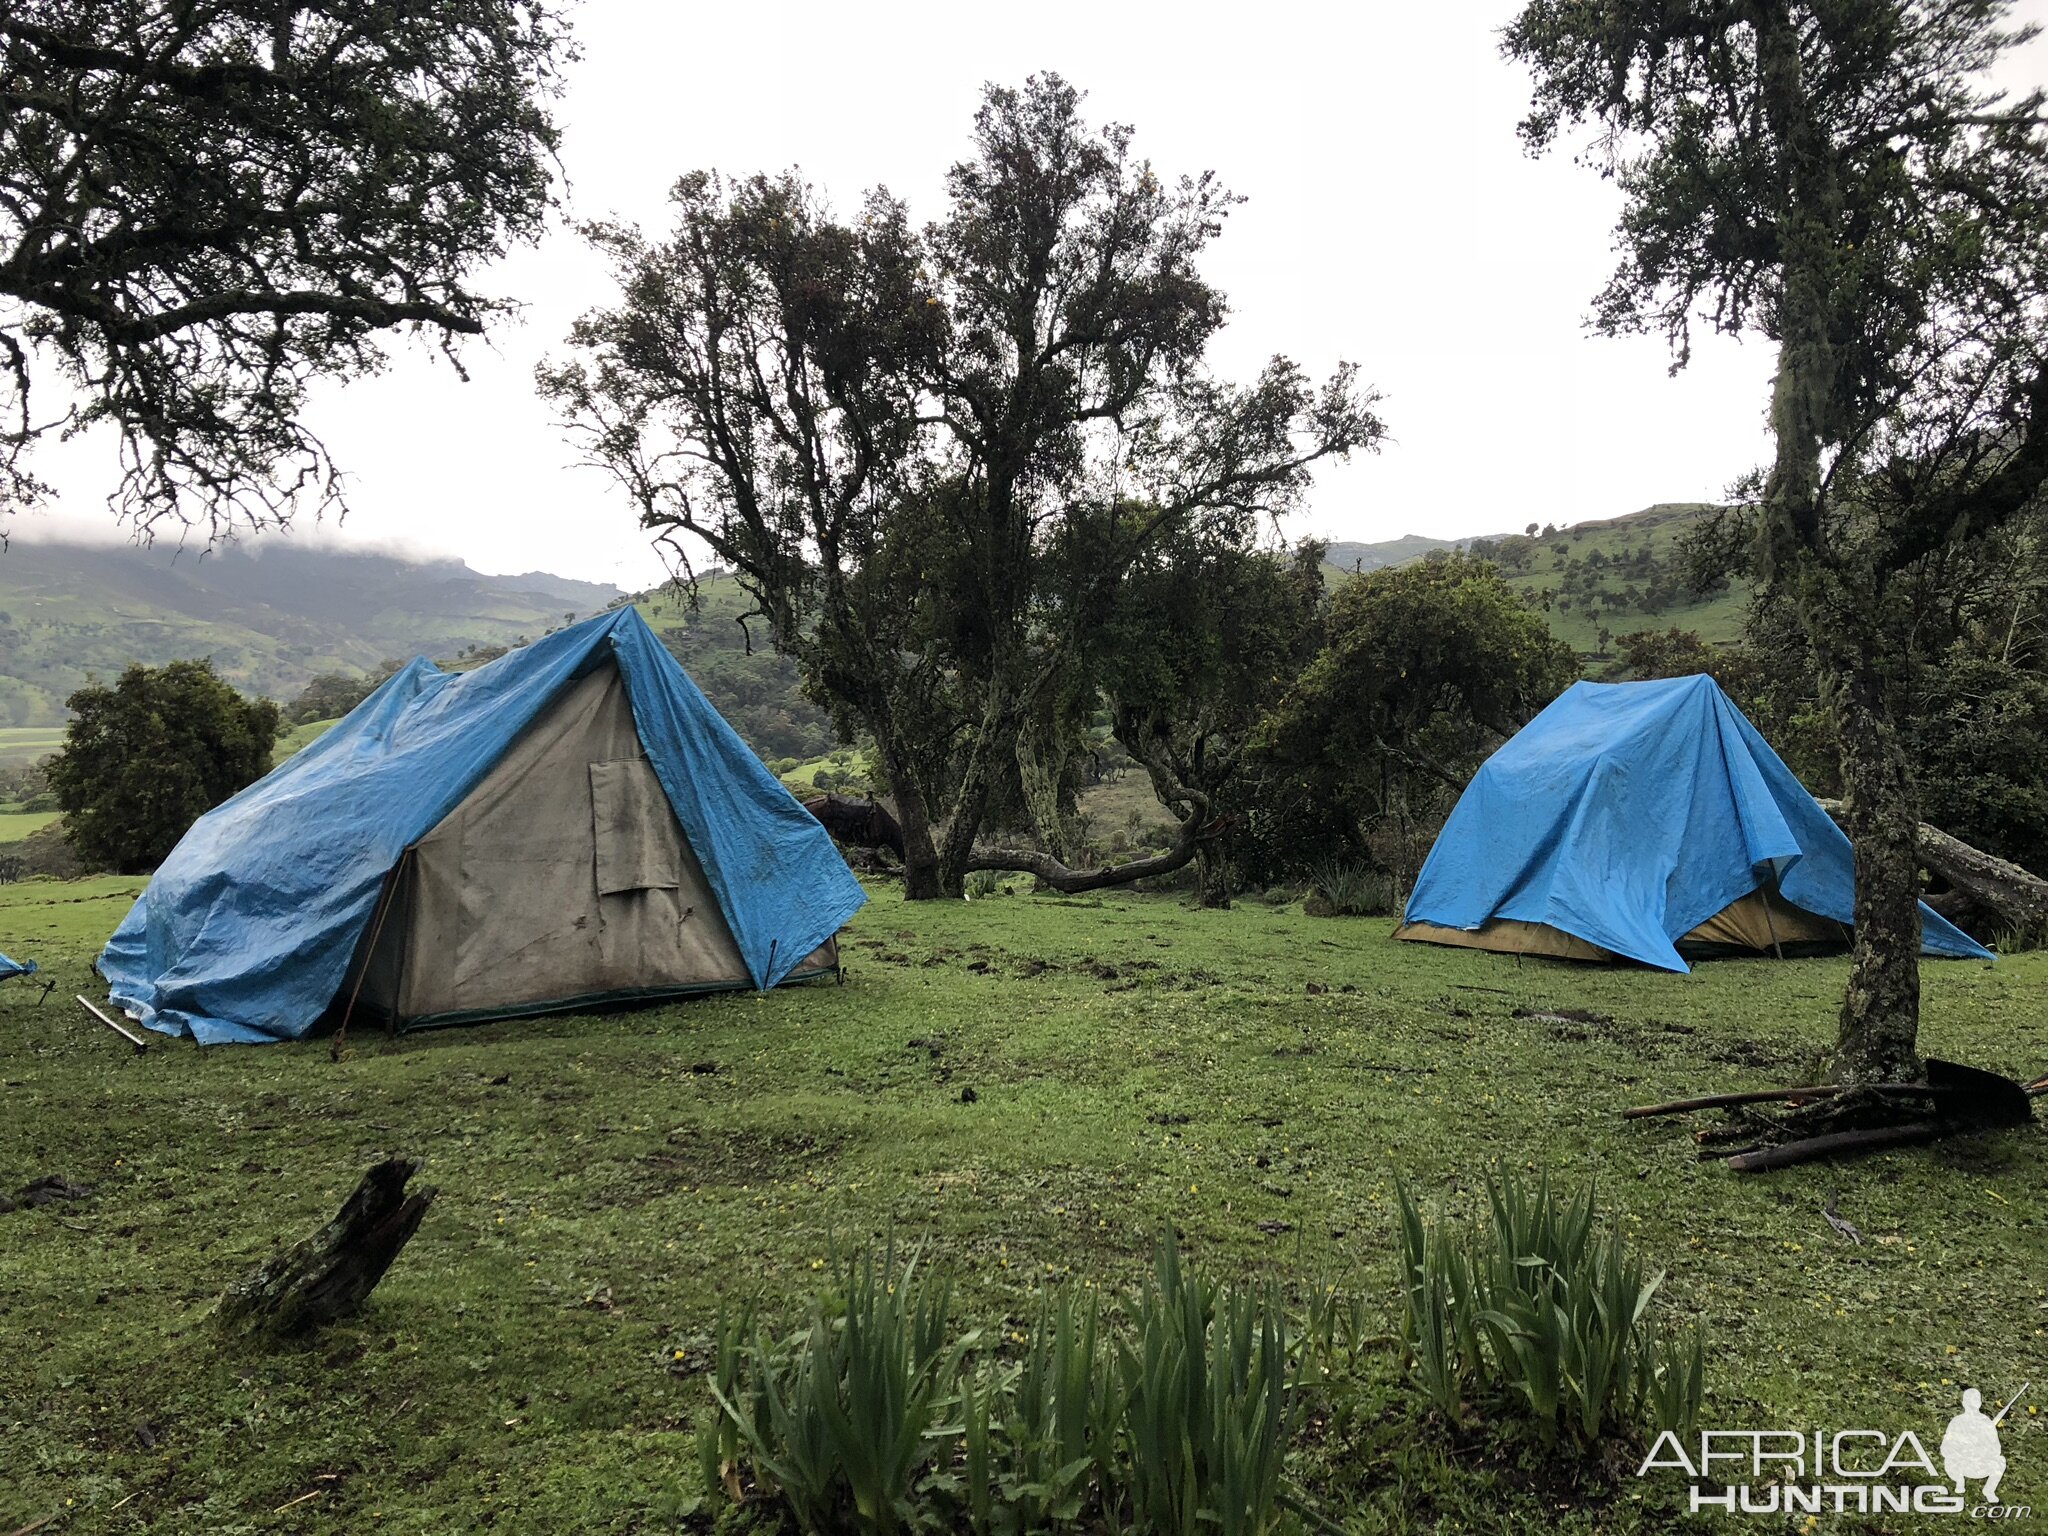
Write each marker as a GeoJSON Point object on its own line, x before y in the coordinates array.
{"type": "Point", "coordinates": [15, 825]}
{"type": "Point", "coordinates": [300, 737]}
{"type": "Point", "coordinates": [24, 744]}
{"type": "Point", "coordinates": [1256, 1077]}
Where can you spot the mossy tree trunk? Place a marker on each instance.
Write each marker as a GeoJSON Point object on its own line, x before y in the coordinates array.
{"type": "Point", "coordinates": [1877, 1040]}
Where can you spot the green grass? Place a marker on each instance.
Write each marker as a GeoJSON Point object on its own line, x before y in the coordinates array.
{"type": "Point", "coordinates": [1718, 619]}
{"type": "Point", "coordinates": [15, 825]}
{"type": "Point", "coordinates": [607, 1182]}
{"type": "Point", "coordinates": [299, 738]}
{"type": "Point", "coordinates": [803, 778]}
{"type": "Point", "coordinates": [21, 745]}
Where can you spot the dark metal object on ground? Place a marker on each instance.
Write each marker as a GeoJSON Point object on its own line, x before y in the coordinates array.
{"type": "Point", "coordinates": [1959, 1100]}
{"type": "Point", "coordinates": [1968, 1099]}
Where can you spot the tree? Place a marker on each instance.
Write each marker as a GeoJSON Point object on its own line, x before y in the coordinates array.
{"type": "Point", "coordinates": [330, 695]}
{"type": "Point", "coordinates": [205, 208]}
{"type": "Point", "coordinates": [1837, 179]}
{"type": "Point", "coordinates": [1424, 669]}
{"type": "Point", "coordinates": [1206, 633]}
{"type": "Point", "coordinates": [146, 758]}
{"type": "Point", "coordinates": [903, 442]}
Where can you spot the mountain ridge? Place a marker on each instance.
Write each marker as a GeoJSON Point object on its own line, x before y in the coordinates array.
{"type": "Point", "coordinates": [271, 615]}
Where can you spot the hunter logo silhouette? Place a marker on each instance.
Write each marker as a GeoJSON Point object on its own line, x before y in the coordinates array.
{"type": "Point", "coordinates": [1970, 1449]}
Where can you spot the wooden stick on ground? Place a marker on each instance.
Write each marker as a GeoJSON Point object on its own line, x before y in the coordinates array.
{"type": "Point", "coordinates": [133, 1039]}
{"type": "Point", "coordinates": [1729, 1100]}
{"type": "Point", "coordinates": [1787, 1154]}
{"type": "Point", "coordinates": [1773, 1095]}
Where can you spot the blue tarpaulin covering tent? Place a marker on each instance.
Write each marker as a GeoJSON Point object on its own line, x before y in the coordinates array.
{"type": "Point", "coordinates": [1630, 818]}
{"type": "Point", "coordinates": [12, 967]}
{"type": "Point", "coordinates": [571, 823]}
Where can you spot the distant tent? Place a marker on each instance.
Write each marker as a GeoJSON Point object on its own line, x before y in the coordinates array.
{"type": "Point", "coordinates": [10, 967]}
{"type": "Point", "coordinates": [1634, 820]}
{"type": "Point", "coordinates": [570, 824]}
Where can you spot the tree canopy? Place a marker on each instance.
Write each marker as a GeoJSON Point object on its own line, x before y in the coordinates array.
{"type": "Point", "coordinates": [149, 756]}
{"type": "Point", "coordinates": [932, 454]}
{"type": "Point", "coordinates": [1424, 669]}
{"type": "Point", "coordinates": [206, 207]}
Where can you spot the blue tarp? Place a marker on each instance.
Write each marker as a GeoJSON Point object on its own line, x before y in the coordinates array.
{"type": "Point", "coordinates": [11, 967]}
{"type": "Point", "coordinates": [1626, 814]}
{"type": "Point", "coordinates": [248, 928]}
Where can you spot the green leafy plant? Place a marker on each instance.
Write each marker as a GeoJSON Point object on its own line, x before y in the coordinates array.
{"type": "Point", "coordinates": [840, 1418]}
{"type": "Point", "coordinates": [1171, 1412]}
{"type": "Point", "coordinates": [1210, 1404]}
{"type": "Point", "coordinates": [1541, 1305]}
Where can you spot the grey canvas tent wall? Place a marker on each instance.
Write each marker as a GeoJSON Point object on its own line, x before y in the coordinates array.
{"type": "Point", "coordinates": [562, 880]}
{"type": "Point", "coordinates": [570, 823]}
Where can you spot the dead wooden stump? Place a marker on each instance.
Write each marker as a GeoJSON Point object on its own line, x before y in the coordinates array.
{"type": "Point", "coordinates": [326, 1276]}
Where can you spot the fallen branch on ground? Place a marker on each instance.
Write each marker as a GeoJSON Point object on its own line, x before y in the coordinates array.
{"type": "Point", "coordinates": [2015, 895]}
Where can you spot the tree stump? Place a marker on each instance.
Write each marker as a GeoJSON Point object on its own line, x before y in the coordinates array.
{"type": "Point", "coordinates": [326, 1276]}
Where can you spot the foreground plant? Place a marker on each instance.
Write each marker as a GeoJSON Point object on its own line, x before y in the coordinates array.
{"type": "Point", "coordinates": [1175, 1416]}
{"type": "Point", "coordinates": [1541, 1305]}
{"type": "Point", "coordinates": [838, 1418]}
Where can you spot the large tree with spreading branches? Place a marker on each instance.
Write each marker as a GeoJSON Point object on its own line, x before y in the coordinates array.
{"type": "Point", "coordinates": [207, 207]}
{"type": "Point", "coordinates": [1837, 177]}
{"type": "Point", "coordinates": [932, 454]}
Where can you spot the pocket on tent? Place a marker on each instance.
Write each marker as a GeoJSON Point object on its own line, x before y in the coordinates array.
{"type": "Point", "coordinates": [633, 829]}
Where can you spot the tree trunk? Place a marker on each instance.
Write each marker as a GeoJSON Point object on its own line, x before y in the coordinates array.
{"type": "Point", "coordinates": [326, 1276]}
{"type": "Point", "coordinates": [1196, 828]}
{"type": "Point", "coordinates": [970, 800]}
{"type": "Point", "coordinates": [2014, 896]}
{"type": "Point", "coordinates": [1880, 1022]}
{"type": "Point", "coordinates": [1213, 869]}
{"type": "Point", "coordinates": [920, 854]}
{"type": "Point", "coordinates": [1041, 768]}
{"type": "Point", "coordinates": [1074, 881]}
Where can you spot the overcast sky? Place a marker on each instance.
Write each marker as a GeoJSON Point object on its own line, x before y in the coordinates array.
{"type": "Point", "coordinates": [1393, 221]}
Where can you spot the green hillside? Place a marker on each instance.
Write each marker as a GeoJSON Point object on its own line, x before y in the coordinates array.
{"type": "Point", "coordinates": [270, 615]}
{"type": "Point", "coordinates": [1350, 558]}
{"type": "Point", "coordinates": [1621, 574]}
{"type": "Point", "coordinates": [728, 656]}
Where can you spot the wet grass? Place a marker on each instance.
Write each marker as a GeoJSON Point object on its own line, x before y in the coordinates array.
{"type": "Point", "coordinates": [1037, 1085]}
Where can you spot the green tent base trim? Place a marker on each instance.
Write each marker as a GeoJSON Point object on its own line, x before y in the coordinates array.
{"type": "Point", "coordinates": [597, 1000]}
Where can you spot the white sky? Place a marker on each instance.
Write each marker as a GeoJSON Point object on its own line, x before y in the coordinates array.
{"type": "Point", "coordinates": [1393, 221]}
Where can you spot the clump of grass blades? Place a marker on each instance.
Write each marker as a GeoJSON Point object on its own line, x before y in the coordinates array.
{"type": "Point", "coordinates": [1541, 1305]}
{"type": "Point", "coordinates": [1342, 889]}
{"type": "Point", "coordinates": [1172, 1413]}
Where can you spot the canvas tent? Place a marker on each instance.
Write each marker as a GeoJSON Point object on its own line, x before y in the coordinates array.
{"type": "Point", "coordinates": [1633, 820]}
{"type": "Point", "coordinates": [570, 824]}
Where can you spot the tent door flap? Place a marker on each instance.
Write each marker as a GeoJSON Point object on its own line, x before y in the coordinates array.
{"type": "Point", "coordinates": [631, 826]}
